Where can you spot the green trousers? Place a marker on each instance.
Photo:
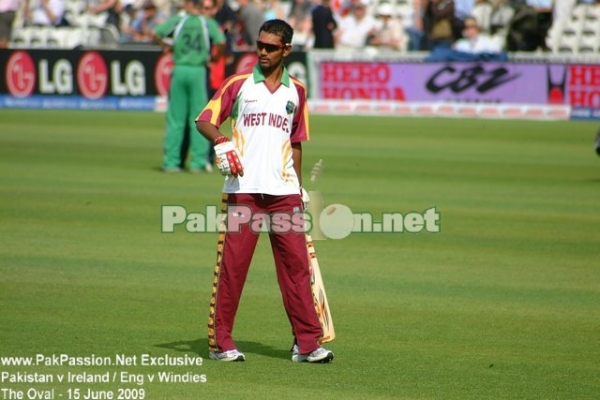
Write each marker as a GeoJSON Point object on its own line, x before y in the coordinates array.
{"type": "Point", "coordinates": [187, 97]}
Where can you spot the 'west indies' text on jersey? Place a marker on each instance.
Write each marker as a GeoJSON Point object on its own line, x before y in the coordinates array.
{"type": "Point", "coordinates": [264, 125]}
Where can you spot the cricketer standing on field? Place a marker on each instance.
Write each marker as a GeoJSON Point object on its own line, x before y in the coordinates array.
{"type": "Point", "coordinates": [262, 165]}
{"type": "Point", "coordinates": [193, 34]}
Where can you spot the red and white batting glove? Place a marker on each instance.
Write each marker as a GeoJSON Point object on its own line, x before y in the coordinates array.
{"type": "Point", "coordinates": [305, 198]}
{"type": "Point", "coordinates": [227, 158]}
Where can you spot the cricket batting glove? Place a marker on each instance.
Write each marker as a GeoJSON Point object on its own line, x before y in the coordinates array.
{"type": "Point", "coordinates": [305, 198]}
{"type": "Point", "coordinates": [227, 158]}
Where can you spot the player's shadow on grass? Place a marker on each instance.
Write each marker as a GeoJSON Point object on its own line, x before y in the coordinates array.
{"type": "Point", "coordinates": [200, 347]}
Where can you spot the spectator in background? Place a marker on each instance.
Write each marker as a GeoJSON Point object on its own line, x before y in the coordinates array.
{"type": "Point", "coordinates": [127, 17]}
{"type": "Point", "coordinates": [482, 12]}
{"type": "Point", "coordinates": [355, 28]}
{"type": "Point", "coordinates": [273, 10]}
{"type": "Point", "coordinates": [462, 10]}
{"type": "Point", "coordinates": [390, 32]}
{"type": "Point", "coordinates": [44, 12]}
{"type": "Point", "coordinates": [413, 26]}
{"type": "Point", "coordinates": [300, 19]}
{"type": "Point", "coordinates": [110, 7]}
{"type": "Point", "coordinates": [142, 27]}
{"type": "Point", "coordinates": [251, 18]}
{"type": "Point", "coordinates": [544, 14]}
{"type": "Point", "coordinates": [523, 30]}
{"type": "Point", "coordinates": [167, 8]}
{"type": "Point", "coordinates": [8, 11]}
{"type": "Point", "coordinates": [227, 20]}
{"type": "Point", "coordinates": [473, 46]}
{"type": "Point", "coordinates": [343, 7]}
{"type": "Point", "coordinates": [473, 41]}
{"type": "Point", "coordinates": [438, 22]}
{"type": "Point", "coordinates": [500, 19]}
{"type": "Point", "coordinates": [323, 25]}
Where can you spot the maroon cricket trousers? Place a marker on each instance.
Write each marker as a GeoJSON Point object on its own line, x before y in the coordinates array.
{"type": "Point", "coordinates": [245, 218]}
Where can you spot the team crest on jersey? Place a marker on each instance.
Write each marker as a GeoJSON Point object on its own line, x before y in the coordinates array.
{"type": "Point", "coordinates": [290, 107]}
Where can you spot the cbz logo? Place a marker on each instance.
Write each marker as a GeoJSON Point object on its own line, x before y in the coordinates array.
{"type": "Point", "coordinates": [457, 80]}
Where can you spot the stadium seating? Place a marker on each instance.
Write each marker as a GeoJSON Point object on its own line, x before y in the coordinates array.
{"type": "Point", "coordinates": [85, 30]}
{"type": "Point", "coordinates": [577, 31]}
{"type": "Point", "coordinates": [21, 37]}
{"type": "Point", "coordinates": [589, 43]}
{"type": "Point", "coordinates": [575, 28]}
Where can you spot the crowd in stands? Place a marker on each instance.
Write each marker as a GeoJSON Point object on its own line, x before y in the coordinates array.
{"type": "Point", "coordinates": [556, 26]}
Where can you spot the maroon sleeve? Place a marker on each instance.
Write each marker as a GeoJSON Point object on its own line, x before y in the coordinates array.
{"type": "Point", "coordinates": [220, 107]}
{"type": "Point", "coordinates": [300, 132]}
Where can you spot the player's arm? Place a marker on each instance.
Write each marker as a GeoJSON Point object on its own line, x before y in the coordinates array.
{"type": "Point", "coordinates": [216, 56]}
{"type": "Point", "coordinates": [53, 14]}
{"type": "Point", "coordinates": [218, 109]}
{"type": "Point", "coordinates": [227, 157]}
{"type": "Point", "coordinates": [217, 38]}
{"type": "Point", "coordinates": [209, 131]}
{"type": "Point", "coordinates": [297, 159]}
{"type": "Point", "coordinates": [103, 6]}
{"type": "Point", "coordinates": [300, 134]}
{"type": "Point", "coordinates": [164, 30]}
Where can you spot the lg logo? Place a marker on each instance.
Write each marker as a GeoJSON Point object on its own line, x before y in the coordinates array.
{"type": "Point", "coordinates": [162, 74]}
{"type": "Point", "coordinates": [20, 74]}
{"type": "Point", "coordinates": [92, 76]}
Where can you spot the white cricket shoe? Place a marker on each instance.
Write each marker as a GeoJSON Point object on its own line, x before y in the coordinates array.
{"type": "Point", "coordinates": [320, 355]}
{"type": "Point", "coordinates": [229, 355]}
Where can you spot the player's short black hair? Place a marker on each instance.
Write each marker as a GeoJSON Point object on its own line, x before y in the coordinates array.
{"type": "Point", "coordinates": [280, 28]}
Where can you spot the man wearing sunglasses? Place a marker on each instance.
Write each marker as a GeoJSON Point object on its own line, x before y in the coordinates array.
{"type": "Point", "coordinates": [262, 191]}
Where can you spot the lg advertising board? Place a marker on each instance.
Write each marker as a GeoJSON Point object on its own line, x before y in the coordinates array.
{"type": "Point", "coordinates": [119, 80]}
{"type": "Point", "coordinates": [83, 79]}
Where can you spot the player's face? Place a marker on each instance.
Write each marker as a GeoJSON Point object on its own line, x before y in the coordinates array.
{"type": "Point", "coordinates": [471, 30]}
{"type": "Point", "coordinates": [208, 9]}
{"type": "Point", "coordinates": [271, 51]}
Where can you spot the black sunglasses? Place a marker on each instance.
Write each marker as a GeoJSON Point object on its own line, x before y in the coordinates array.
{"type": "Point", "coordinates": [270, 48]}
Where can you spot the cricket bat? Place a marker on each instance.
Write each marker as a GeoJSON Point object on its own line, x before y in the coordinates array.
{"type": "Point", "coordinates": [319, 295]}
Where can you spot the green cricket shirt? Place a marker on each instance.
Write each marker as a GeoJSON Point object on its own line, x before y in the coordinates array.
{"type": "Point", "coordinates": [192, 36]}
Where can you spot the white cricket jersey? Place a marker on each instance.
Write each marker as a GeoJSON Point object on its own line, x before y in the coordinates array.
{"type": "Point", "coordinates": [264, 125]}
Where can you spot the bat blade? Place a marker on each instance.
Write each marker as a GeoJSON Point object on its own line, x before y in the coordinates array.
{"type": "Point", "coordinates": [319, 296]}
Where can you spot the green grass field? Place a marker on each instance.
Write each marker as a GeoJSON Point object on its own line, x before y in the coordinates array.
{"type": "Point", "coordinates": [502, 303]}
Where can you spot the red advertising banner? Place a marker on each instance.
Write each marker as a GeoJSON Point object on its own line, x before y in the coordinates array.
{"type": "Point", "coordinates": [584, 85]}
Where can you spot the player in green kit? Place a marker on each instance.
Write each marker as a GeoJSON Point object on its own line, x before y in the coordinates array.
{"type": "Point", "coordinates": [192, 36]}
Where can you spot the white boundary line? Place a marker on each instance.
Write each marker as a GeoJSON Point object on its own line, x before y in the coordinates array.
{"type": "Point", "coordinates": [450, 110]}
{"type": "Point", "coordinates": [447, 110]}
